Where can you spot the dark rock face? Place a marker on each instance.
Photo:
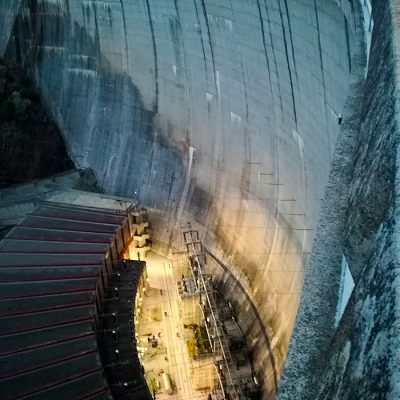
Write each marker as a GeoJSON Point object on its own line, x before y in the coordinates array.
{"type": "Point", "coordinates": [31, 145]}
{"type": "Point", "coordinates": [362, 361]}
{"type": "Point", "coordinates": [363, 358]}
{"type": "Point", "coordinates": [375, 157]}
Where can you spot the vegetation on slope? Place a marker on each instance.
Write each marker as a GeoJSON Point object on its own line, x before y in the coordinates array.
{"type": "Point", "coordinates": [31, 145]}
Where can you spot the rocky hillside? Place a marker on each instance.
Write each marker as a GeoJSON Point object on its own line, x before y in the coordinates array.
{"type": "Point", "coordinates": [31, 145]}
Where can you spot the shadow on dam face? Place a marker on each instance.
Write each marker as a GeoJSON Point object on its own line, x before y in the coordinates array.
{"type": "Point", "coordinates": [255, 88]}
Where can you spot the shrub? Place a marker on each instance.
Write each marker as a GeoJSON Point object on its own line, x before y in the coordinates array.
{"type": "Point", "coordinates": [7, 111]}
{"type": "Point", "coordinates": [31, 95]}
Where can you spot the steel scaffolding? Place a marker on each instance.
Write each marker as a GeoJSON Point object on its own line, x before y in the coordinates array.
{"type": "Point", "coordinates": [228, 380]}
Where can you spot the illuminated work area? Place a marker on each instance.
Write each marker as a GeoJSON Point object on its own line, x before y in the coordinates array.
{"type": "Point", "coordinates": [186, 332]}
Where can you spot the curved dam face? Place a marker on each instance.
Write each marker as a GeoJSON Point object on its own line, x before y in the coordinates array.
{"type": "Point", "coordinates": [223, 113]}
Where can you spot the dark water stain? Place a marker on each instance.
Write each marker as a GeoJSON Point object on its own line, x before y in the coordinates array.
{"type": "Point", "coordinates": [176, 34]}
{"type": "Point", "coordinates": [200, 202]}
{"type": "Point", "coordinates": [155, 106]}
{"type": "Point", "coordinates": [101, 111]}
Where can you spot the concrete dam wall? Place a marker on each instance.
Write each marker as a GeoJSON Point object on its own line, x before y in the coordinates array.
{"type": "Point", "coordinates": [226, 113]}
